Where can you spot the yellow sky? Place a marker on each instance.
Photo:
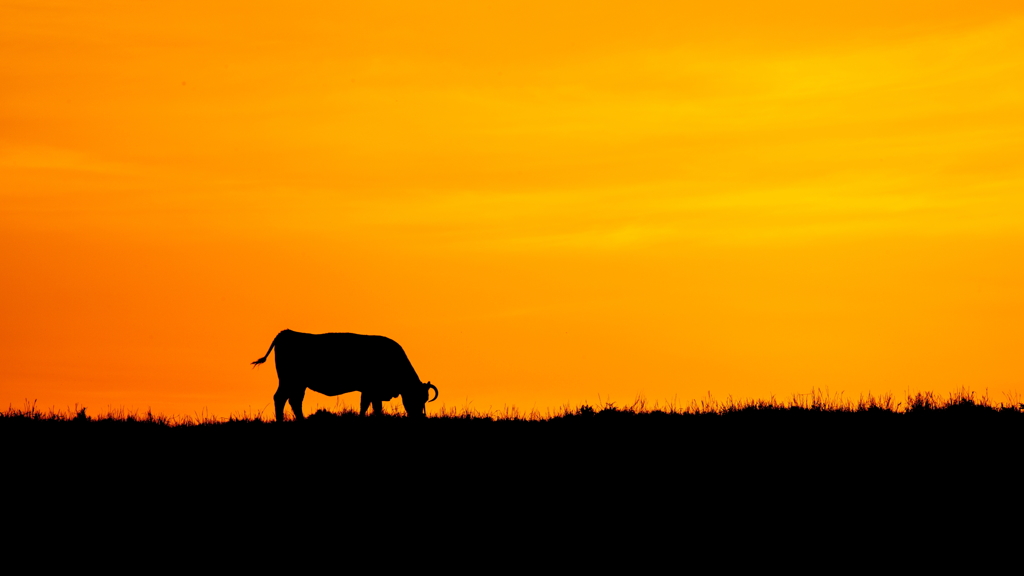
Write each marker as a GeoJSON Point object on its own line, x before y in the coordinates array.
{"type": "Point", "coordinates": [541, 204]}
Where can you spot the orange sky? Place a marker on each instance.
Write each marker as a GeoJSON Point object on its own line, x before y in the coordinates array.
{"type": "Point", "coordinates": [543, 205]}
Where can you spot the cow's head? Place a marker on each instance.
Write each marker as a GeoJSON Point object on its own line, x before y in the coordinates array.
{"type": "Point", "coordinates": [415, 400]}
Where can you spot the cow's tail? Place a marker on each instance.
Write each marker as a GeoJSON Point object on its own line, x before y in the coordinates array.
{"type": "Point", "coordinates": [264, 359]}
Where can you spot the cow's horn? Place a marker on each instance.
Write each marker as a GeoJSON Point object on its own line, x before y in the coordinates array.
{"type": "Point", "coordinates": [434, 388]}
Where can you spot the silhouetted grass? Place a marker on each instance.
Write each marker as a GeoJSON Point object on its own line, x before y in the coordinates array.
{"type": "Point", "coordinates": [717, 464]}
{"type": "Point", "coordinates": [959, 404]}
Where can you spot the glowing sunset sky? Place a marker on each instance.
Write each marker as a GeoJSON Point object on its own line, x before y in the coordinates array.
{"type": "Point", "coordinates": [542, 204]}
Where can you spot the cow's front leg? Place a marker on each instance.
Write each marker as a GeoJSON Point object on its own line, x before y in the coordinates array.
{"type": "Point", "coordinates": [378, 407]}
{"type": "Point", "coordinates": [364, 403]}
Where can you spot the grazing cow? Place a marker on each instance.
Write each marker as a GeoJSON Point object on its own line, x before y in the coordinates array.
{"type": "Point", "coordinates": [337, 363]}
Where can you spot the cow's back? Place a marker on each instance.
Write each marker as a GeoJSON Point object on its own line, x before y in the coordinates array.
{"type": "Point", "coordinates": [336, 363]}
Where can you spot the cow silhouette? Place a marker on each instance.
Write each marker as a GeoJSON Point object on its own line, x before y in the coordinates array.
{"type": "Point", "coordinates": [337, 363]}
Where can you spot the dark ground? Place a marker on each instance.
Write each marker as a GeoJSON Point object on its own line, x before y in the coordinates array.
{"type": "Point", "coordinates": [587, 482]}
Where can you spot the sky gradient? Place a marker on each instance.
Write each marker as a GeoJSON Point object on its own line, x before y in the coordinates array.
{"type": "Point", "coordinates": [543, 205]}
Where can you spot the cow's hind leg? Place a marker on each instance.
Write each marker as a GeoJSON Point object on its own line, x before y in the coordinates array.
{"type": "Point", "coordinates": [295, 399]}
{"type": "Point", "coordinates": [280, 397]}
